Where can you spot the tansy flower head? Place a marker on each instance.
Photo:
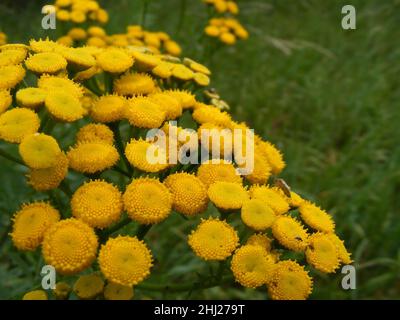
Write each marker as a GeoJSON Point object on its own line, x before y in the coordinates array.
{"type": "Point", "coordinates": [17, 123]}
{"type": "Point", "coordinates": [114, 291]}
{"type": "Point", "coordinates": [259, 239]}
{"type": "Point", "coordinates": [252, 266]}
{"type": "Point", "coordinates": [210, 114]}
{"type": "Point", "coordinates": [44, 45]}
{"type": "Point", "coordinates": [143, 112]}
{"type": "Point", "coordinates": [63, 106]}
{"type": "Point", "coordinates": [39, 151]}
{"type": "Point", "coordinates": [5, 100]}
{"type": "Point", "coordinates": [98, 203]}
{"type": "Point", "coordinates": [89, 286]}
{"type": "Point", "coordinates": [257, 215]}
{"type": "Point", "coordinates": [295, 200]}
{"type": "Point", "coordinates": [52, 83]}
{"type": "Point", "coordinates": [186, 98]}
{"type": "Point", "coordinates": [274, 197]}
{"type": "Point", "coordinates": [147, 200]}
{"type": "Point", "coordinates": [35, 295]}
{"type": "Point", "coordinates": [114, 60]}
{"type": "Point", "coordinates": [197, 67]}
{"type": "Point", "coordinates": [163, 70]}
{"type": "Point", "coordinates": [31, 97]}
{"type": "Point", "coordinates": [316, 218]}
{"type": "Point", "coordinates": [182, 72]}
{"type": "Point", "coordinates": [344, 255]}
{"type": "Point", "coordinates": [227, 195]}
{"type": "Point", "coordinates": [322, 253]}
{"type": "Point", "coordinates": [12, 56]}
{"type": "Point", "coordinates": [77, 34]}
{"type": "Point", "coordinates": [31, 222]}
{"type": "Point", "coordinates": [108, 108]}
{"type": "Point", "coordinates": [62, 290]}
{"type": "Point", "coordinates": [213, 239]}
{"type": "Point", "coordinates": [201, 79]}
{"type": "Point", "coordinates": [273, 155]}
{"type": "Point", "coordinates": [94, 132]}
{"type": "Point", "coordinates": [10, 76]}
{"type": "Point", "coordinates": [46, 62]}
{"type": "Point", "coordinates": [145, 155]}
{"type": "Point", "coordinates": [189, 193]}
{"type": "Point", "coordinates": [289, 282]}
{"type": "Point", "coordinates": [79, 58]}
{"type": "Point", "coordinates": [145, 61]}
{"type": "Point", "coordinates": [169, 104]}
{"type": "Point", "coordinates": [125, 260]}
{"type": "Point", "coordinates": [261, 169]}
{"type": "Point", "coordinates": [91, 157]}
{"type": "Point", "coordinates": [173, 48]}
{"type": "Point", "coordinates": [70, 246]}
{"type": "Point", "coordinates": [49, 178]}
{"type": "Point", "coordinates": [209, 172]}
{"type": "Point", "coordinates": [290, 233]}
{"type": "Point", "coordinates": [131, 84]}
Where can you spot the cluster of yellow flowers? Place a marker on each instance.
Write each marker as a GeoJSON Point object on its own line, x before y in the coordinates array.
{"type": "Point", "coordinates": [224, 26]}
{"type": "Point", "coordinates": [80, 11]}
{"type": "Point", "coordinates": [114, 90]}
{"type": "Point", "coordinates": [135, 35]}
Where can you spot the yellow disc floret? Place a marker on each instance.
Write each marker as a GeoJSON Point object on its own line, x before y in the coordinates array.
{"type": "Point", "coordinates": [227, 195]}
{"type": "Point", "coordinates": [274, 197]}
{"type": "Point", "coordinates": [316, 218]}
{"type": "Point", "coordinates": [209, 173]}
{"type": "Point", "coordinates": [290, 233]}
{"type": "Point", "coordinates": [94, 132]}
{"type": "Point", "coordinates": [17, 123]}
{"type": "Point", "coordinates": [257, 215]}
{"type": "Point", "coordinates": [322, 253]}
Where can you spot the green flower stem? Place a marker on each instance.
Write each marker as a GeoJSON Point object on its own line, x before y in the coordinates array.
{"type": "Point", "coordinates": [186, 286]}
{"type": "Point", "coordinates": [142, 231]}
{"type": "Point", "coordinates": [108, 83]}
{"type": "Point", "coordinates": [11, 158]}
{"type": "Point", "coordinates": [144, 13]}
{"type": "Point", "coordinates": [121, 171]}
{"type": "Point", "coordinates": [64, 187]}
{"type": "Point", "coordinates": [120, 147]}
{"type": "Point", "coordinates": [122, 223]}
{"type": "Point", "coordinates": [182, 12]}
{"type": "Point", "coordinates": [89, 84]}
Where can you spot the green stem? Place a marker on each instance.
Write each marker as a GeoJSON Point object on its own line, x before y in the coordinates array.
{"type": "Point", "coordinates": [11, 158]}
{"type": "Point", "coordinates": [182, 12]}
{"type": "Point", "coordinates": [122, 223]}
{"type": "Point", "coordinates": [142, 231]}
{"type": "Point", "coordinates": [121, 171]}
{"type": "Point", "coordinates": [186, 286]}
{"type": "Point", "coordinates": [120, 147]}
{"type": "Point", "coordinates": [64, 187]}
{"type": "Point", "coordinates": [144, 13]}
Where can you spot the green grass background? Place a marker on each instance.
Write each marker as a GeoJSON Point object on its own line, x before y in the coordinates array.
{"type": "Point", "coordinates": [328, 97]}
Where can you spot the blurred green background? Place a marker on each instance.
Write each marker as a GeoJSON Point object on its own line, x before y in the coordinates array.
{"type": "Point", "coordinates": [328, 97]}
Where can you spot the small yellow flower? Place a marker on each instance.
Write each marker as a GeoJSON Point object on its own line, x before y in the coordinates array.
{"type": "Point", "coordinates": [31, 97]}
{"type": "Point", "coordinates": [273, 155]}
{"type": "Point", "coordinates": [77, 34]}
{"type": "Point", "coordinates": [316, 218]}
{"type": "Point", "coordinates": [62, 291]}
{"type": "Point", "coordinates": [173, 48]}
{"type": "Point", "coordinates": [97, 203]}
{"type": "Point", "coordinates": [143, 112]}
{"type": "Point", "coordinates": [257, 215]}
{"type": "Point", "coordinates": [35, 295]}
{"type": "Point", "coordinates": [289, 282]}
{"type": "Point", "coordinates": [10, 76]}
{"type": "Point", "coordinates": [145, 61]}
{"type": "Point", "coordinates": [89, 286]}
{"type": "Point", "coordinates": [77, 16]}
{"type": "Point", "coordinates": [322, 253]}
{"type": "Point", "coordinates": [114, 291]}
{"type": "Point", "coordinates": [55, 83]}
{"type": "Point", "coordinates": [189, 193]}
{"type": "Point", "coordinates": [163, 70]}
{"type": "Point", "coordinates": [182, 72]}
{"type": "Point", "coordinates": [17, 123]}
{"type": "Point", "coordinates": [132, 84]}
{"type": "Point", "coordinates": [186, 98]}
{"type": "Point", "coordinates": [125, 260]}
{"type": "Point", "coordinates": [147, 201]}
{"type": "Point", "coordinates": [227, 195]}
{"type": "Point", "coordinates": [12, 56]}
{"type": "Point", "coordinates": [94, 132]}
{"type": "Point", "coordinates": [46, 62]}
{"type": "Point", "coordinates": [210, 114]}
{"type": "Point", "coordinates": [31, 222]}
{"type": "Point", "coordinates": [70, 246]}
{"type": "Point", "coordinates": [44, 45]}
{"type": "Point", "coordinates": [108, 108]}
{"type": "Point", "coordinates": [252, 266]}
{"type": "Point", "coordinates": [114, 60]}
{"type": "Point", "coordinates": [91, 157]}
{"type": "Point", "coordinates": [344, 255]}
{"type": "Point", "coordinates": [79, 58]}
{"type": "Point", "coordinates": [212, 31]}
{"type": "Point", "coordinates": [227, 38]}
{"type": "Point", "coordinates": [169, 104]}
{"type": "Point", "coordinates": [295, 200]}
{"type": "Point", "coordinates": [63, 15]}
{"type": "Point", "coordinates": [259, 239]}
{"type": "Point", "coordinates": [96, 42]}
{"type": "Point", "coordinates": [96, 31]}
{"type": "Point", "coordinates": [274, 197]}
{"type": "Point", "coordinates": [209, 172]}
{"type": "Point", "coordinates": [145, 155]}
{"type": "Point", "coordinates": [290, 233]}
{"type": "Point", "coordinates": [64, 106]}
{"type": "Point", "coordinates": [201, 79]}
{"type": "Point", "coordinates": [39, 151]}
{"type": "Point", "coordinates": [213, 239]}
{"type": "Point", "coordinates": [49, 178]}
{"type": "Point", "coordinates": [5, 100]}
